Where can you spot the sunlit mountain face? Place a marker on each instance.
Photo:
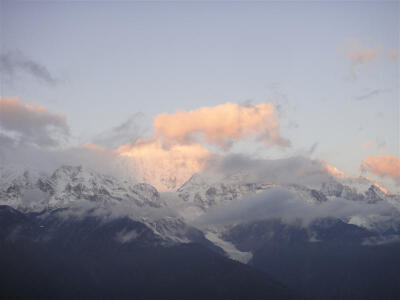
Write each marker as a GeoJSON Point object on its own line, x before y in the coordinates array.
{"type": "Point", "coordinates": [214, 150]}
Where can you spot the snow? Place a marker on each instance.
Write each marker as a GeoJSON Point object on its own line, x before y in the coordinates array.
{"type": "Point", "coordinates": [168, 214]}
{"type": "Point", "coordinates": [229, 248]}
{"type": "Point", "coordinates": [68, 185]}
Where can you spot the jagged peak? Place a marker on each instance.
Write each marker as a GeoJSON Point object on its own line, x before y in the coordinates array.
{"type": "Point", "coordinates": [67, 170]}
{"type": "Point", "coordinates": [195, 179]}
{"type": "Point", "coordinates": [146, 187]}
{"type": "Point", "coordinates": [75, 184]}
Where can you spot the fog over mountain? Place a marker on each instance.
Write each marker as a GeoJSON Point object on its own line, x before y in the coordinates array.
{"type": "Point", "coordinates": [199, 150]}
{"type": "Point", "coordinates": [169, 194]}
{"type": "Point", "coordinates": [216, 209]}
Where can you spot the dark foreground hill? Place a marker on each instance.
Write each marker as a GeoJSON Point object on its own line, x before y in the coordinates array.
{"type": "Point", "coordinates": [89, 258]}
{"type": "Point", "coordinates": [329, 259]}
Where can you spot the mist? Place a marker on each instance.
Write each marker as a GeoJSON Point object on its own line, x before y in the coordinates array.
{"type": "Point", "coordinates": [292, 170]}
{"type": "Point", "coordinates": [281, 204]}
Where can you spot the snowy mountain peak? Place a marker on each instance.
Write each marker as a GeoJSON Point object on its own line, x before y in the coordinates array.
{"type": "Point", "coordinates": [201, 192]}
{"type": "Point", "coordinates": [72, 184]}
{"type": "Point", "coordinates": [68, 171]}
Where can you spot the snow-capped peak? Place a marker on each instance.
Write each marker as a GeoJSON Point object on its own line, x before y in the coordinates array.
{"type": "Point", "coordinates": [71, 184]}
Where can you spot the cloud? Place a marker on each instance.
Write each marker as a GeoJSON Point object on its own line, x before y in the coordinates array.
{"type": "Point", "coordinates": [333, 171]}
{"type": "Point", "coordinates": [381, 240]}
{"type": "Point", "coordinates": [359, 54]}
{"type": "Point", "coordinates": [6, 141]}
{"type": "Point", "coordinates": [165, 167]}
{"type": "Point", "coordinates": [126, 236]}
{"type": "Point", "coordinates": [394, 54]}
{"type": "Point", "coordinates": [293, 170]}
{"type": "Point", "coordinates": [221, 125]}
{"type": "Point", "coordinates": [12, 63]}
{"type": "Point", "coordinates": [46, 160]}
{"type": "Point", "coordinates": [371, 94]}
{"type": "Point", "coordinates": [176, 148]}
{"type": "Point", "coordinates": [367, 144]}
{"type": "Point", "coordinates": [385, 166]}
{"type": "Point", "coordinates": [32, 123]}
{"type": "Point", "coordinates": [278, 203]}
{"type": "Point", "coordinates": [381, 143]}
{"type": "Point", "coordinates": [166, 159]}
{"type": "Point", "coordinates": [128, 131]}
{"type": "Point", "coordinates": [312, 149]}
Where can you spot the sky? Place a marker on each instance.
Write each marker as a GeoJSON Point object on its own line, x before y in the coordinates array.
{"type": "Point", "coordinates": [100, 73]}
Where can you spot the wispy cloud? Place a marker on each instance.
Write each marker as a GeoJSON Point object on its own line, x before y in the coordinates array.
{"type": "Point", "coordinates": [367, 144]}
{"type": "Point", "coordinates": [32, 123]}
{"type": "Point", "coordinates": [381, 240]}
{"type": "Point", "coordinates": [127, 132]}
{"type": "Point", "coordinates": [13, 63]}
{"type": "Point", "coordinates": [359, 54]}
{"type": "Point", "coordinates": [293, 170]}
{"type": "Point", "coordinates": [371, 94]}
{"type": "Point", "coordinates": [385, 166]}
{"type": "Point", "coordinates": [394, 54]}
{"type": "Point", "coordinates": [278, 203]}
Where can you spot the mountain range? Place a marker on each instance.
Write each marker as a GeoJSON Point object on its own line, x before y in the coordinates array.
{"type": "Point", "coordinates": [77, 233]}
